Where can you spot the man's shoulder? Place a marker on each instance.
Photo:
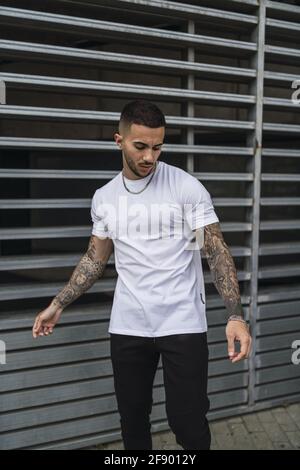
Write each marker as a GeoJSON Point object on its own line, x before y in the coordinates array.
{"type": "Point", "coordinates": [108, 188]}
{"type": "Point", "coordinates": [182, 176]}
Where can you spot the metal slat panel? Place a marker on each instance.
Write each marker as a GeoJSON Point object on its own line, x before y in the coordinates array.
{"type": "Point", "coordinates": [282, 309]}
{"type": "Point", "coordinates": [278, 271]}
{"type": "Point", "coordinates": [275, 342]}
{"type": "Point", "coordinates": [286, 388]}
{"type": "Point", "coordinates": [286, 54]}
{"type": "Point", "coordinates": [285, 293]}
{"type": "Point", "coordinates": [67, 144]}
{"type": "Point", "coordinates": [286, 372]}
{"type": "Point", "coordinates": [56, 394]}
{"type": "Point", "coordinates": [73, 115]}
{"type": "Point", "coordinates": [281, 152]}
{"type": "Point", "coordinates": [280, 224]}
{"type": "Point", "coordinates": [283, 201]}
{"type": "Point", "coordinates": [219, 103]}
{"type": "Point", "coordinates": [60, 260]}
{"type": "Point", "coordinates": [25, 291]}
{"type": "Point", "coordinates": [33, 290]}
{"type": "Point", "coordinates": [67, 203]}
{"type": "Point", "coordinates": [279, 177]}
{"type": "Point", "coordinates": [282, 8]}
{"type": "Point", "coordinates": [134, 91]}
{"type": "Point", "coordinates": [66, 55]}
{"type": "Point", "coordinates": [174, 10]}
{"type": "Point", "coordinates": [277, 326]}
{"type": "Point", "coordinates": [276, 358]}
{"type": "Point", "coordinates": [84, 231]}
{"type": "Point", "coordinates": [108, 29]}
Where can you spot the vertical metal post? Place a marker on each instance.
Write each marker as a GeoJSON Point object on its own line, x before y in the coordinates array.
{"type": "Point", "coordinates": [2, 92]}
{"type": "Point", "coordinates": [255, 140]}
{"type": "Point", "coordinates": [189, 109]}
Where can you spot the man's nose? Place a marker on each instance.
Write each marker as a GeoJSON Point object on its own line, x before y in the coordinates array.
{"type": "Point", "coordinates": [148, 156]}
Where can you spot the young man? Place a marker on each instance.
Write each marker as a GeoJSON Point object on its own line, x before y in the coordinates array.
{"type": "Point", "coordinates": [150, 214]}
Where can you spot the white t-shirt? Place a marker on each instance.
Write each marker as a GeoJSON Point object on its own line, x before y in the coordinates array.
{"type": "Point", "coordinates": [160, 287]}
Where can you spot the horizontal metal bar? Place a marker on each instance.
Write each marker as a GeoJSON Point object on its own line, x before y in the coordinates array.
{"type": "Point", "coordinates": [280, 152]}
{"type": "Point", "coordinates": [64, 144]}
{"type": "Point", "coordinates": [59, 114]}
{"type": "Point", "coordinates": [12, 263]}
{"type": "Point", "coordinates": [77, 174]}
{"type": "Point", "coordinates": [280, 201]}
{"type": "Point", "coordinates": [170, 9]}
{"type": "Point", "coordinates": [279, 78]}
{"type": "Point", "coordinates": [274, 272]}
{"type": "Point", "coordinates": [242, 276]}
{"type": "Point", "coordinates": [279, 248]}
{"type": "Point", "coordinates": [96, 87]}
{"type": "Point", "coordinates": [65, 203]}
{"type": "Point", "coordinates": [281, 128]}
{"type": "Point", "coordinates": [67, 55]}
{"type": "Point", "coordinates": [280, 104]}
{"type": "Point", "coordinates": [280, 293]}
{"type": "Point", "coordinates": [127, 32]}
{"type": "Point", "coordinates": [27, 291]}
{"type": "Point", "coordinates": [283, 26]}
{"type": "Point", "coordinates": [287, 53]}
{"type": "Point", "coordinates": [278, 310]}
{"type": "Point", "coordinates": [224, 176]}
{"type": "Point", "coordinates": [280, 177]}
{"type": "Point", "coordinates": [33, 290]}
{"type": "Point", "coordinates": [51, 203]}
{"type": "Point", "coordinates": [232, 201]}
{"type": "Point", "coordinates": [282, 7]}
{"type": "Point", "coordinates": [280, 224]}
{"type": "Point", "coordinates": [57, 174]}
{"type": "Point", "coordinates": [25, 233]}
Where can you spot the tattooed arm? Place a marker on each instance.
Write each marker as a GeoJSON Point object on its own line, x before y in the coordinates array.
{"type": "Point", "coordinates": [90, 268]}
{"type": "Point", "coordinates": [225, 279]}
{"type": "Point", "coordinates": [222, 268]}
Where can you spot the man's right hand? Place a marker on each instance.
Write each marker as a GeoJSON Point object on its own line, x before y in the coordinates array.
{"type": "Point", "coordinates": [46, 320]}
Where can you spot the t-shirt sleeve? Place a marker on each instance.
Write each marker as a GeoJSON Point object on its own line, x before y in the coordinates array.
{"type": "Point", "coordinates": [198, 208]}
{"type": "Point", "coordinates": [99, 225]}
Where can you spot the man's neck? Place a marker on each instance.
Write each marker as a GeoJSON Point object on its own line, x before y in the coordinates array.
{"type": "Point", "coordinates": [128, 173]}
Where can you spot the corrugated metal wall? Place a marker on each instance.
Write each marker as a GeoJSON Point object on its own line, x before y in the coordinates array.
{"type": "Point", "coordinates": [222, 72]}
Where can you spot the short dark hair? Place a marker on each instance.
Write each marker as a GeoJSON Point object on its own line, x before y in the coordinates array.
{"type": "Point", "coordinates": [141, 112]}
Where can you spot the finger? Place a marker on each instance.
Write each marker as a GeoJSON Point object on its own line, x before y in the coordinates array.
{"type": "Point", "coordinates": [36, 327]}
{"type": "Point", "coordinates": [231, 350]}
{"type": "Point", "coordinates": [48, 328]}
{"type": "Point", "coordinates": [45, 330]}
{"type": "Point", "coordinates": [244, 349]}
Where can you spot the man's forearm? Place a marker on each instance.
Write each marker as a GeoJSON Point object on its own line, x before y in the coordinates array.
{"type": "Point", "coordinates": [88, 270]}
{"type": "Point", "coordinates": [223, 269]}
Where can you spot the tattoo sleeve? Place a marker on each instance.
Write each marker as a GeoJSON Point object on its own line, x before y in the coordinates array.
{"type": "Point", "coordinates": [222, 267]}
{"type": "Point", "coordinates": [90, 268]}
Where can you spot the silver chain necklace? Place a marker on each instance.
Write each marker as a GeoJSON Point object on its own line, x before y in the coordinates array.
{"type": "Point", "coordinates": [148, 182]}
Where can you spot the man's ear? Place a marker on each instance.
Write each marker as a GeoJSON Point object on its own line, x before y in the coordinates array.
{"type": "Point", "coordinates": [118, 139]}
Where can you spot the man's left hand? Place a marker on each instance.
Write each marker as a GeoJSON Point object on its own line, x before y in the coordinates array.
{"type": "Point", "coordinates": [238, 331]}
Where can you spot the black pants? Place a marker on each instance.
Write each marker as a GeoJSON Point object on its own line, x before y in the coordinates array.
{"type": "Point", "coordinates": [185, 364]}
